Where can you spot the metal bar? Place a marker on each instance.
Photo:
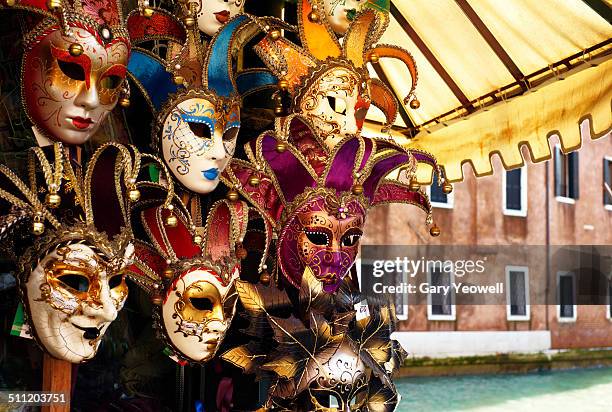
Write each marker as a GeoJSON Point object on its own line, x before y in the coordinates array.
{"type": "Point", "coordinates": [402, 109]}
{"type": "Point", "coordinates": [600, 7]}
{"type": "Point", "coordinates": [430, 57]}
{"type": "Point", "coordinates": [492, 42]}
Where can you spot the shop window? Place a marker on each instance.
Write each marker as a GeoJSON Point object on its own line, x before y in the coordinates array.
{"type": "Point", "coordinates": [438, 197]}
{"type": "Point", "coordinates": [514, 192]}
{"type": "Point", "coordinates": [566, 176]}
{"type": "Point", "coordinates": [441, 305]}
{"type": "Point", "coordinates": [607, 182]}
{"type": "Point", "coordinates": [517, 293]}
{"type": "Point", "coordinates": [566, 294]}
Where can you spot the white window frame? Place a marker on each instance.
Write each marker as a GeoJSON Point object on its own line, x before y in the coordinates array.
{"type": "Point", "coordinates": [561, 199]}
{"type": "Point", "coordinates": [609, 305]}
{"type": "Point", "coordinates": [509, 315]}
{"type": "Point", "coordinates": [450, 200]}
{"type": "Point", "coordinates": [575, 310]}
{"type": "Point", "coordinates": [453, 315]}
{"type": "Point", "coordinates": [523, 210]}
{"type": "Point", "coordinates": [608, 207]}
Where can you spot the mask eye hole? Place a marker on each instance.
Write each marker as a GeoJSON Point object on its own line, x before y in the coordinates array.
{"type": "Point", "coordinates": [360, 114]}
{"type": "Point", "coordinates": [201, 303]}
{"type": "Point", "coordinates": [317, 238]}
{"type": "Point", "coordinates": [110, 82]}
{"type": "Point", "coordinates": [230, 134]}
{"type": "Point", "coordinates": [337, 104]}
{"type": "Point", "coordinates": [72, 70]}
{"type": "Point", "coordinates": [200, 129]}
{"type": "Point", "coordinates": [115, 281]}
{"type": "Point", "coordinates": [75, 282]}
{"type": "Point", "coordinates": [351, 239]}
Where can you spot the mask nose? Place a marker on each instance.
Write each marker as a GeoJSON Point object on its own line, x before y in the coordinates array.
{"type": "Point", "coordinates": [104, 309]}
{"type": "Point", "coordinates": [87, 98]}
{"type": "Point", "coordinates": [217, 326]}
{"type": "Point", "coordinates": [217, 151]}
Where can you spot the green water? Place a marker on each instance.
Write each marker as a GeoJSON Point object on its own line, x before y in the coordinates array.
{"type": "Point", "coordinates": [571, 390]}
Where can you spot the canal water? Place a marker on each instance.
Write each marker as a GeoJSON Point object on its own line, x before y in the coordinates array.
{"type": "Point", "coordinates": [588, 390]}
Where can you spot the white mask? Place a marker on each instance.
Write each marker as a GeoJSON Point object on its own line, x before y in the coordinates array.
{"type": "Point", "coordinates": [339, 13]}
{"type": "Point", "coordinates": [73, 295]}
{"type": "Point", "coordinates": [197, 311]}
{"type": "Point", "coordinates": [213, 14]}
{"type": "Point", "coordinates": [198, 139]}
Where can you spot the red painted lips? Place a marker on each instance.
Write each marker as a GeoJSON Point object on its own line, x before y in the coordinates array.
{"type": "Point", "coordinates": [81, 123]}
{"type": "Point", "coordinates": [222, 16]}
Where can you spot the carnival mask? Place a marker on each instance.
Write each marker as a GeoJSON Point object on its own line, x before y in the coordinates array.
{"type": "Point", "coordinates": [213, 14]}
{"type": "Point", "coordinates": [340, 13]}
{"type": "Point", "coordinates": [336, 103]}
{"type": "Point", "coordinates": [72, 82]}
{"type": "Point", "coordinates": [324, 239]}
{"type": "Point", "coordinates": [73, 295]}
{"type": "Point", "coordinates": [198, 139]}
{"type": "Point", "coordinates": [197, 311]}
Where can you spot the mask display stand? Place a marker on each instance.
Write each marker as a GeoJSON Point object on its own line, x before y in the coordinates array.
{"type": "Point", "coordinates": [57, 378]}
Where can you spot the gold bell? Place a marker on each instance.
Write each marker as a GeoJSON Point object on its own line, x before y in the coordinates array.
{"type": "Point", "coordinates": [197, 239]}
{"type": "Point", "coordinates": [53, 200]}
{"type": "Point", "coordinates": [357, 189]}
{"type": "Point", "coordinates": [147, 12]}
{"type": "Point", "coordinates": [75, 49]}
{"type": "Point", "coordinates": [374, 58]}
{"type": "Point", "coordinates": [281, 147]}
{"type": "Point", "coordinates": [10, 3]}
{"type": "Point", "coordinates": [415, 103]}
{"type": "Point", "coordinates": [265, 278]}
{"type": "Point", "coordinates": [171, 221]}
{"type": "Point", "coordinates": [447, 188]}
{"type": "Point", "coordinates": [157, 299]}
{"type": "Point", "coordinates": [134, 195]}
{"type": "Point", "coordinates": [189, 21]}
{"type": "Point", "coordinates": [241, 252]}
{"type": "Point", "coordinates": [38, 228]}
{"type": "Point", "coordinates": [314, 17]}
{"type": "Point", "coordinates": [54, 5]}
{"type": "Point", "coordinates": [124, 102]}
{"type": "Point", "coordinates": [278, 110]}
{"type": "Point", "coordinates": [283, 84]}
{"type": "Point", "coordinates": [254, 181]}
{"type": "Point", "coordinates": [414, 186]}
{"type": "Point", "coordinates": [434, 231]}
{"type": "Point", "coordinates": [168, 273]}
{"type": "Point", "coordinates": [233, 195]}
{"type": "Point", "coordinates": [275, 34]}
{"type": "Point", "coordinates": [178, 79]}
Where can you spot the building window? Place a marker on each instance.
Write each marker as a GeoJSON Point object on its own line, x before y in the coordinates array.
{"type": "Point", "coordinates": [566, 176]}
{"type": "Point", "coordinates": [366, 285]}
{"type": "Point", "coordinates": [514, 192]}
{"type": "Point", "coordinates": [517, 293]}
{"type": "Point", "coordinates": [438, 197]}
{"type": "Point", "coordinates": [609, 308]}
{"type": "Point", "coordinates": [607, 182]}
{"type": "Point", "coordinates": [566, 288]}
{"type": "Point", "coordinates": [440, 305]}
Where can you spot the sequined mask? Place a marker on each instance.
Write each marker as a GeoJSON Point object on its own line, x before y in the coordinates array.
{"type": "Point", "coordinates": [340, 13]}
{"type": "Point", "coordinates": [213, 14]}
{"type": "Point", "coordinates": [73, 295]}
{"type": "Point", "coordinates": [197, 311]}
{"type": "Point", "coordinates": [336, 103]}
{"type": "Point", "coordinates": [198, 139]}
{"type": "Point", "coordinates": [323, 237]}
{"type": "Point", "coordinates": [72, 82]}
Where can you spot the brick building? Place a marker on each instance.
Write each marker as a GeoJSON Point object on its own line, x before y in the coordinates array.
{"type": "Point", "coordinates": [518, 214]}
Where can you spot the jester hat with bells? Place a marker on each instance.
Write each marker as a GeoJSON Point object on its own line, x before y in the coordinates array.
{"type": "Point", "coordinates": [317, 201]}
{"type": "Point", "coordinates": [71, 250]}
{"type": "Point", "coordinates": [322, 72]}
{"type": "Point", "coordinates": [188, 274]}
{"type": "Point", "coordinates": [74, 65]}
{"type": "Point", "coordinates": [193, 93]}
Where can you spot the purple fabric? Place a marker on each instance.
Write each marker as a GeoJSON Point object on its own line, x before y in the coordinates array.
{"type": "Point", "coordinates": [291, 175]}
{"type": "Point", "coordinates": [424, 158]}
{"type": "Point", "coordinates": [380, 170]}
{"type": "Point", "coordinates": [340, 176]}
